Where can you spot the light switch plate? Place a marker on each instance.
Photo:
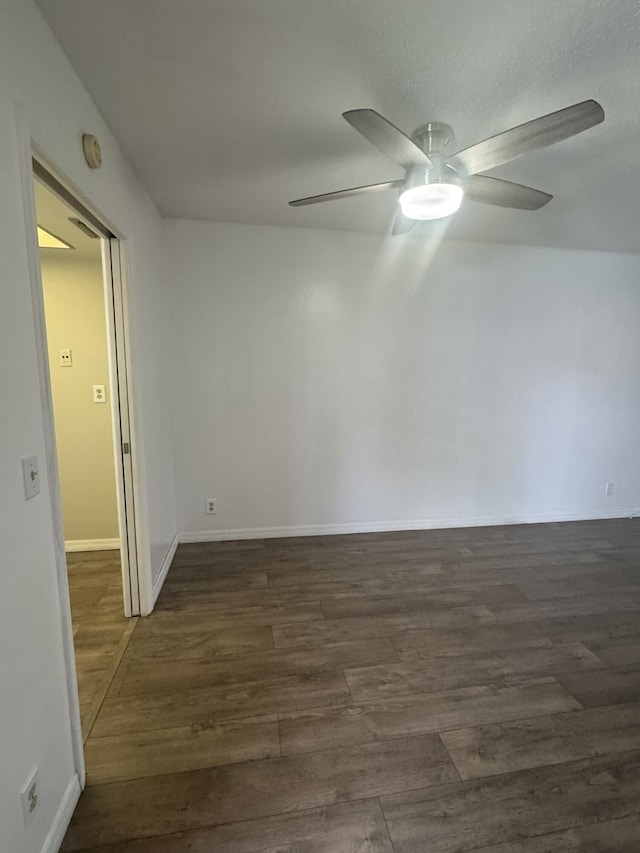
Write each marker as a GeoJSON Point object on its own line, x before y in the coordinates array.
{"type": "Point", "coordinates": [30, 477]}
{"type": "Point", "coordinates": [29, 797]}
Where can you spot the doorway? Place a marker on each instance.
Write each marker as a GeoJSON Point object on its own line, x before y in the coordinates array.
{"type": "Point", "coordinates": [83, 317]}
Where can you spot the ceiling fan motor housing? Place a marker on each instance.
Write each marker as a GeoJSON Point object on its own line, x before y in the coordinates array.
{"type": "Point", "coordinates": [435, 190]}
{"type": "Point", "coordinates": [433, 137]}
{"type": "Point", "coordinates": [439, 173]}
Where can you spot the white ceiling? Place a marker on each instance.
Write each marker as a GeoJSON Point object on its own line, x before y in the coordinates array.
{"type": "Point", "coordinates": [229, 108]}
{"type": "Point", "coordinates": [55, 216]}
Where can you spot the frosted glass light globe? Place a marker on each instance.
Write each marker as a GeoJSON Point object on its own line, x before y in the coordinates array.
{"type": "Point", "coordinates": [431, 201]}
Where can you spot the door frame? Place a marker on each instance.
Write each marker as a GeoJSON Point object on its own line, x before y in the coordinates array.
{"type": "Point", "coordinates": [34, 163]}
{"type": "Point", "coordinates": [114, 278]}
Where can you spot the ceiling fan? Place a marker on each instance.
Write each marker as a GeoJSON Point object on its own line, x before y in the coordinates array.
{"type": "Point", "coordinates": [435, 182]}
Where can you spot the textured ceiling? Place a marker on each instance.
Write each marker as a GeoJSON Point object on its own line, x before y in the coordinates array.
{"type": "Point", "coordinates": [229, 108]}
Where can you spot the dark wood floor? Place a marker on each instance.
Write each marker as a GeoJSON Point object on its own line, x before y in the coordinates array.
{"type": "Point", "coordinates": [423, 692]}
{"type": "Point", "coordinates": [99, 626]}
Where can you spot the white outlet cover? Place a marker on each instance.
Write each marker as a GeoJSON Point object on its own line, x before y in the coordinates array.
{"type": "Point", "coordinates": [66, 359]}
{"type": "Point", "coordinates": [211, 506]}
{"type": "Point", "coordinates": [30, 477]}
{"type": "Point", "coordinates": [99, 394]}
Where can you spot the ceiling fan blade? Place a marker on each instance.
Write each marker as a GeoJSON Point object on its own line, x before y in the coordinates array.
{"type": "Point", "coordinates": [370, 188]}
{"type": "Point", "coordinates": [531, 136]}
{"type": "Point", "coordinates": [402, 224]}
{"type": "Point", "coordinates": [505, 194]}
{"type": "Point", "coordinates": [387, 137]}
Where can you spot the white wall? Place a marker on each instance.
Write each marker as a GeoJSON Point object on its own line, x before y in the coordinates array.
{"type": "Point", "coordinates": [34, 711]}
{"type": "Point", "coordinates": [73, 289]}
{"type": "Point", "coordinates": [338, 379]}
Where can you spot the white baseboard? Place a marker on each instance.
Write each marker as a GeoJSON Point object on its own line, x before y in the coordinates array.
{"type": "Point", "coordinates": [388, 526]}
{"type": "Point", "coordinates": [91, 545]}
{"type": "Point", "coordinates": [62, 819]}
{"type": "Point", "coordinates": [162, 574]}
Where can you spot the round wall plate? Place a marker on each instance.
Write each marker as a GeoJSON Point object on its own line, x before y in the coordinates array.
{"type": "Point", "coordinates": [92, 151]}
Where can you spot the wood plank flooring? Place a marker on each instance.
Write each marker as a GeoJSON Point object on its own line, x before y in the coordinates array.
{"type": "Point", "coordinates": [99, 627]}
{"type": "Point", "coordinates": [441, 691]}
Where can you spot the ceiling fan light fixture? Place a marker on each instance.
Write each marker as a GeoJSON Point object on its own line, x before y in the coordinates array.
{"type": "Point", "coordinates": [436, 179]}
{"type": "Point", "coordinates": [432, 200]}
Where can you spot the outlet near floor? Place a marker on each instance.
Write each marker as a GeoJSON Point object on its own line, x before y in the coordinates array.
{"type": "Point", "coordinates": [211, 506]}
{"type": "Point", "coordinates": [609, 489]}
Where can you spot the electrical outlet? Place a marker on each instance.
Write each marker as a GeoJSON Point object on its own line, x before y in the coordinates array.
{"type": "Point", "coordinates": [609, 489]}
{"type": "Point", "coordinates": [99, 395]}
{"type": "Point", "coordinates": [65, 358]}
{"type": "Point", "coordinates": [29, 797]}
{"type": "Point", "coordinates": [211, 506]}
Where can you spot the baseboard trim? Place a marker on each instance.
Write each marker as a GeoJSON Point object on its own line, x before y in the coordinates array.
{"type": "Point", "coordinates": [72, 545]}
{"type": "Point", "coordinates": [62, 819]}
{"type": "Point", "coordinates": [166, 564]}
{"type": "Point", "coordinates": [389, 526]}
